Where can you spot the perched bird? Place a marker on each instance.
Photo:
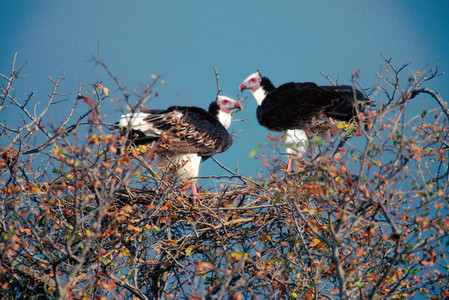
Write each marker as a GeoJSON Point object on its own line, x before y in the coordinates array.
{"type": "Point", "coordinates": [294, 107]}
{"type": "Point", "coordinates": [183, 136]}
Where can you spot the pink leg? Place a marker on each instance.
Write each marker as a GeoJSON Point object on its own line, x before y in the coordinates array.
{"type": "Point", "coordinates": [192, 186]}
{"type": "Point", "coordinates": [194, 189]}
{"type": "Point", "coordinates": [290, 166]}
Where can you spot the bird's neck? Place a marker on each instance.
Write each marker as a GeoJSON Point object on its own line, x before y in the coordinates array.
{"type": "Point", "coordinates": [260, 95]}
{"type": "Point", "coordinates": [266, 84]}
{"type": "Point", "coordinates": [224, 118]}
{"type": "Point", "coordinates": [265, 87]}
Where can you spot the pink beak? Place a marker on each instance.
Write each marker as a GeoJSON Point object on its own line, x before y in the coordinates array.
{"type": "Point", "coordinates": [238, 105]}
{"type": "Point", "coordinates": [242, 87]}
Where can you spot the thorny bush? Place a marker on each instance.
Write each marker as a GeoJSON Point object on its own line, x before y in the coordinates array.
{"type": "Point", "coordinates": [83, 215]}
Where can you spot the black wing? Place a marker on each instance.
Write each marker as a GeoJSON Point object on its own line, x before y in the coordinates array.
{"type": "Point", "coordinates": [187, 130]}
{"type": "Point", "coordinates": [294, 105]}
{"type": "Point", "coordinates": [342, 106]}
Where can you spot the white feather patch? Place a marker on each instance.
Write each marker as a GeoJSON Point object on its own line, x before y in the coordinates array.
{"type": "Point", "coordinates": [224, 118]}
{"type": "Point", "coordinates": [137, 122]}
{"type": "Point", "coordinates": [260, 95]}
{"type": "Point", "coordinates": [297, 142]}
{"type": "Point", "coordinates": [187, 165]}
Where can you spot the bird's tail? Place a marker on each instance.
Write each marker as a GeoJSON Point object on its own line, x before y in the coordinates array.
{"type": "Point", "coordinates": [137, 129]}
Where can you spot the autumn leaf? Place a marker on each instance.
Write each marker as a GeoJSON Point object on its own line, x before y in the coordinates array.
{"type": "Point", "coordinates": [36, 190]}
{"type": "Point", "coordinates": [272, 138]}
{"type": "Point", "coordinates": [128, 209]}
{"type": "Point", "coordinates": [125, 251]}
{"type": "Point", "coordinates": [332, 171]}
{"type": "Point", "coordinates": [365, 191]}
{"type": "Point", "coordinates": [133, 228]}
{"type": "Point", "coordinates": [140, 176]}
{"type": "Point", "coordinates": [361, 252]}
{"type": "Point", "coordinates": [314, 243]}
{"type": "Point", "coordinates": [105, 89]}
{"type": "Point", "coordinates": [205, 265]}
{"type": "Point", "coordinates": [189, 249]}
{"type": "Point", "coordinates": [15, 239]}
{"type": "Point", "coordinates": [171, 242]}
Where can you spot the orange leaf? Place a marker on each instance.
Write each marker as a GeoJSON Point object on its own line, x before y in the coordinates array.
{"type": "Point", "coordinates": [361, 252]}
{"type": "Point", "coordinates": [171, 242]}
{"type": "Point", "coordinates": [206, 265]}
{"type": "Point", "coordinates": [332, 171]}
{"type": "Point", "coordinates": [271, 137]}
{"type": "Point", "coordinates": [15, 239]}
{"type": "Point", "coordinates": [314, 243]}
{"type": "Point", "coordinates": [365, 190]}
{"type": "Point", "coordinates": [35, 190]}
{"type": "Point", "coordinates": [133, 228]}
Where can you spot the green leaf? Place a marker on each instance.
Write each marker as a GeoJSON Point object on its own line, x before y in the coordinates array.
{"type": "Point", "coordinates": [253, 152]}
{"type": "Point", "coordinates": [350, 129]}
{"type": "Point", "coordinates": [358, 284]}
{"type": "Point", "coordinates": [318, 140]}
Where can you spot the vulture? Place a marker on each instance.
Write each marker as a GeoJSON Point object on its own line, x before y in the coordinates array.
{"type": "Point", "coordinates": [295, 106]}
{"type": "Point", "coordinates": [183, 136]}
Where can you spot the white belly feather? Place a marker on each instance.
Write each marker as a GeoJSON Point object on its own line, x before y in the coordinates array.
{"type": "Point", "coordinates": [297, 142]}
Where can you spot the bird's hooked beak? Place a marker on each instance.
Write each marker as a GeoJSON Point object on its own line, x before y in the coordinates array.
{"type": "Point", "coordinates": [242, 87]}
{"type": "Point", "coordinates": [238, 105]}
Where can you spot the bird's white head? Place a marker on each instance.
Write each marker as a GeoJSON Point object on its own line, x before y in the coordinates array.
{"type": "Point", "coordinates": [253, 84]}
{"type": "Point", "coordinates": [226, 105]}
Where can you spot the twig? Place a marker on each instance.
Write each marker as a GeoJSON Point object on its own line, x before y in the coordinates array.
{"type": "Point", "coordinates": [218, 81]}
{"type": "Point", "coordinates": [435, 95]}
{"type": "Point", "coordinates": [122, 89]}
{"type": "Point", "coordinates": [328, 78]}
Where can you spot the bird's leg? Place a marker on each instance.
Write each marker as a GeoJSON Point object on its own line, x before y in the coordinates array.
{"type": "Point", "coordinates": [194, 187]}
{"type": "Point", "coordinates": [289, 165]}
{"type": "Point", "coordinates": [297, 143]}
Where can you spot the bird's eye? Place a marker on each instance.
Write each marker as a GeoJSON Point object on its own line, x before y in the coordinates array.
{"type": "Point", "coordinates": [252, 80]}
{"type": "Point", "coordinates": [225, 101]}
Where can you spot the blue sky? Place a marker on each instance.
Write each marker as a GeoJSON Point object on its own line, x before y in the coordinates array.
{"type": "Point", "coordinates": [184, 40]}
